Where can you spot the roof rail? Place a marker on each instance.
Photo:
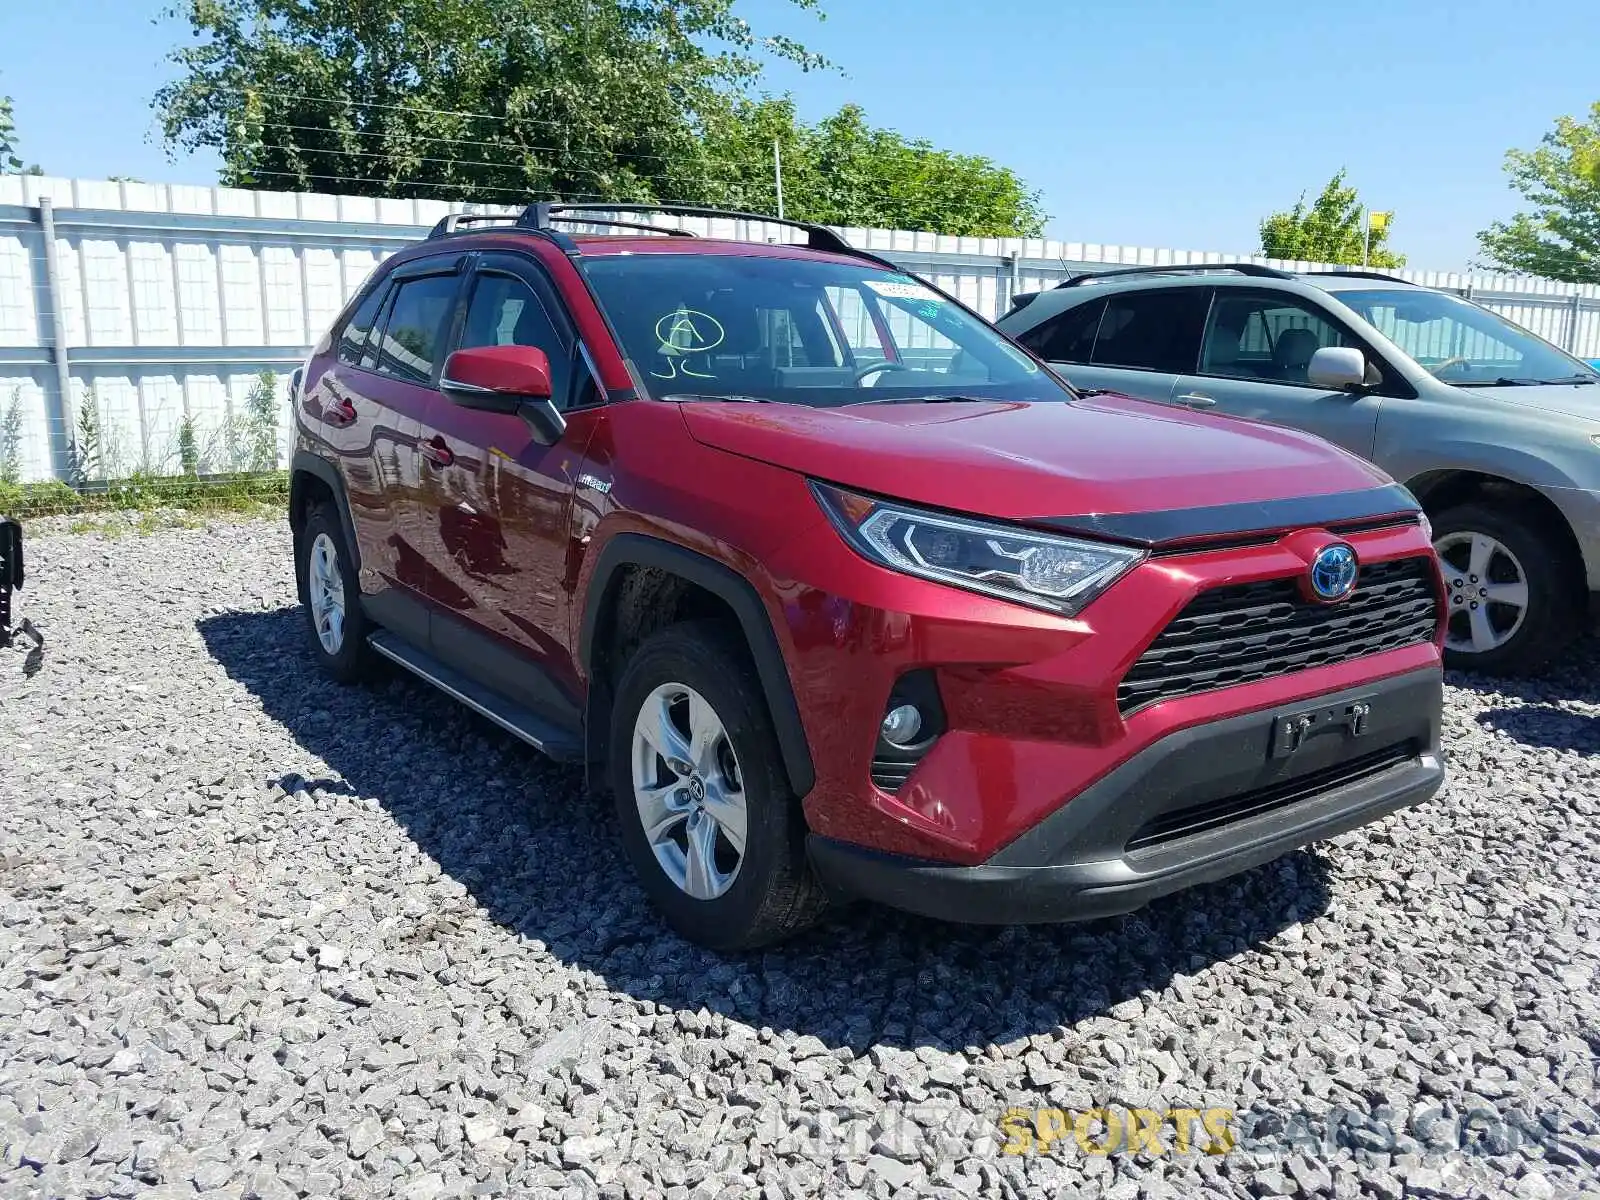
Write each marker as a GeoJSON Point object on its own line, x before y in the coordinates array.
{"type": "Point", "coordinates": [542, 215]}
{"type": "Point", "coordinates": [452, 223]}
{"type": "Point", "coordinates": [1242, 268]}
{"type": "Point", "coordinates": [818, 237]}
{"type": "Point", "coordinates": [1358, 273]}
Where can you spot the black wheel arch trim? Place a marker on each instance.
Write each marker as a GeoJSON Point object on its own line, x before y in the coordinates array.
{"type": "Point", "coordinates": [634, 549]}
{"type": "Point", "coordinates": [305, 463]}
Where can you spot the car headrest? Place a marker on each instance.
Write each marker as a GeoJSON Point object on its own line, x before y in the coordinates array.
{"type": "Point", "coordinates": [1294, 348]}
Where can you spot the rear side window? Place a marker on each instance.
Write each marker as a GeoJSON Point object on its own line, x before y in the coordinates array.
{"type": "Point", "coordinates": [1152, 331]}
{"type": "Point", "coordinates": [1067, 337]}
{"type": "Point", "coordinates": [415, 331]}
{"type": "Point", "coordinates": [353, 338]}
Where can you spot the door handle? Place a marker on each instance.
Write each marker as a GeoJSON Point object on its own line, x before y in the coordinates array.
{"type": "Point", "coordinates": [341, 412]}
{"type": "Point", "coordinates": [1196, 400]}
{"type": "Point", "coordinates": [436, 452]}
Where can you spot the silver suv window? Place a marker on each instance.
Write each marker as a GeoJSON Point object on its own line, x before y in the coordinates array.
{"type": "Point", "coordinates": [1461, 343]}
{"type": "Point", "coordinates": [1266, 336]}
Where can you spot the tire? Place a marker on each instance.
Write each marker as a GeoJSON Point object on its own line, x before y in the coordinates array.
{"type": "Point", "coordinates": [723, 900]}
{"type": "Point", "coordinates": [1513, 643]}
{"type": "Point", "coordinates": [345, 656]}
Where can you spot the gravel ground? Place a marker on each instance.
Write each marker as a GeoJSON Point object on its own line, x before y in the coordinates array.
{"type": "Point", "coordinates": [260, 937]}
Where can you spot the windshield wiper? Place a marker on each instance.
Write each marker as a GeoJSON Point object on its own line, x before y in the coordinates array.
{"type": "Point", "coordinates": [1503, 381]}
{"type": "Point", "coordinates": [932, 398]}
{"type": "Point", "coordinates": [1576, 380]}
{"type": "Point", "coordinates": [680, 397]}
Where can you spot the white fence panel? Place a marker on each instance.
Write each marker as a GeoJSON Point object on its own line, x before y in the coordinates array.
{"type": "Point", "coordinates": [173, 300]}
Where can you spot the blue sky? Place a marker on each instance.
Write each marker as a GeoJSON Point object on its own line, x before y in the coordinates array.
{"type": "Point", "coordinates": [1142, 122]}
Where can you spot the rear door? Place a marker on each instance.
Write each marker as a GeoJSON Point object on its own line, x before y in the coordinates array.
{"type": "Point", "coordinates": [496, 516]}
{"type": "Point", "coordinates": [1137, 342]}
{"type": "Point", "coordinates": [368, 425]}
{"type": "Point", "coordinates": [397, 377]}
{"type": "Point", "coordinates": [1254, 357]}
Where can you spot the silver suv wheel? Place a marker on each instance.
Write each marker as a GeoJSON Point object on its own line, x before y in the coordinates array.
{"type": "Point", "coordinates": [689, 791]}
{"type": "Point", "coordinates": [325, 587]}
{"type": "Point", "coordinates": [1487, 590]}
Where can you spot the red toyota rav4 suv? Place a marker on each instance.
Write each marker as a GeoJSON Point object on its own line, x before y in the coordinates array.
{"type": "Point", "coordinates": [845, 593]}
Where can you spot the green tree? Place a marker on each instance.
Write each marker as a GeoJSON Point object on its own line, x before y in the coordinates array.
{"type": "Point", "coordinates": [261, 423]}
{"type": "Point", "coordinates": [501, 100]}
{"type": "Point", "coordinates": [11, 440]}
{"type": "Point", "coordinates": [843, 171]}
{"type": "Point", "coordinates": [488, 100]}
{"type": "Point", "coordinates": [86, 460]}
{"type": "Point", "coordinates": [188, 446]}
{"type": "Point", "coordinates": [1560, 238]}
{"type": "Point", "coordinates": [1330, 230]}
{"type": "Point", "coordinates": [9, 162]}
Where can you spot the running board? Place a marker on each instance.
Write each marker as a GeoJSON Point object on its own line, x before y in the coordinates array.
{"type": "Point", "coordinates": [563, 745]}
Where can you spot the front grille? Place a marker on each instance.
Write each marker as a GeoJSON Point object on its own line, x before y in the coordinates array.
{"type": "Point", "coordinates": [1197, 818]}
{"type": "Point", "coordinates": [1233, 635]}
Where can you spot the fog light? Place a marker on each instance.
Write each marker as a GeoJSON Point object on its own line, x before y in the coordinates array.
{"type": "Point", "coordinates": [901, 725]}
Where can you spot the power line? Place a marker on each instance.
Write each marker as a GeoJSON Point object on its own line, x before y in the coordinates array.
{"type": "Point", "coordinates": [467, 187]}
{"type": "Point", "coordinates": [623, 155]}
{"type": "Point", "coordinates": [413, 109]}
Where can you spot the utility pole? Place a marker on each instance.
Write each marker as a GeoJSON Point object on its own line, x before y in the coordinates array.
{"type": "Point", "coordinates": [1366, 236]}
{"type": "Point", "coordinates": [777, 173]}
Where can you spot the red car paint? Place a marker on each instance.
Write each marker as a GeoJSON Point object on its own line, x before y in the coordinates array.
{"type": "Point", "coordinates": [506, 534]}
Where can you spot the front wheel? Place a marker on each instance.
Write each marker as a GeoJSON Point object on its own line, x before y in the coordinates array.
{"type": "Point", "coordinates": [706, 813]}
{"type": "Point", "coordinates": [1513, 602]}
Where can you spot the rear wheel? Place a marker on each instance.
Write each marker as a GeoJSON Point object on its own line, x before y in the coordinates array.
{"type": "Point", "coordinates": [1513, 602]}
{"type": "Point", "coordinates": [706, 813]}
{"type": "Point", "coordinates": [332, 600]}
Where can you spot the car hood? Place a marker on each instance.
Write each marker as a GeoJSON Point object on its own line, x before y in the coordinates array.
{"type": "Point", "coordinates": [1567, 399]}
{"type": "Point", "coordinates": [1105, 454]}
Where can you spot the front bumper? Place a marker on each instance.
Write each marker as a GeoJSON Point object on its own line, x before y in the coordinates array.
{"type": "Point", "coordinates": [1199, 804]}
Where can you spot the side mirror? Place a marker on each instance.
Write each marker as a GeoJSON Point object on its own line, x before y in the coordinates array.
{"type": "Point", "coordinates": [1337, 368]}
{"type": "Point", "coordinates": [505, 379]}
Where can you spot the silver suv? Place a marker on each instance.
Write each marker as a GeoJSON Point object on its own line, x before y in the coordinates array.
{"type": "Point", "coordinates": [1496, 431]}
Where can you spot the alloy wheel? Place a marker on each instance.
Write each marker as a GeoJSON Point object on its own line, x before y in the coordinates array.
{"type": "Point", "coordinates": [325, 586]}
{"type": "Point", "coordinates": [689, 791]}
{"type": "Point", "coordinates": [1487, 590]}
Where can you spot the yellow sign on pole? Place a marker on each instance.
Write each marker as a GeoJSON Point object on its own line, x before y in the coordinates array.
{"type": "Point", "coordinates": [1380, 221]}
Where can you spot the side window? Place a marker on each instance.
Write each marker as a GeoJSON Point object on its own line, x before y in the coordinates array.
{"type": "Point", "coordinates": [1067, 337]}
{"type": "Point", "coordinates": [413, 335]}
{"type": "Point", "coordinates": [353, 337]}
{"type": "Point", "coordinates": [505, 311]}
{"type": "Point", "coordinates": [1152, 331]}
{"type": "Point", "coordinates": [1264, 336]}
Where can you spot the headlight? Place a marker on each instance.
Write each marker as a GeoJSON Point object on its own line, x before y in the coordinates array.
{"type": "Point", "coordinates": [1039, 569]}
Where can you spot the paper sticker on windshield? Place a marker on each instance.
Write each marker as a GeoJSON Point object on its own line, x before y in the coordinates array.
{"type": "Point", "coordinates": [901, 288]}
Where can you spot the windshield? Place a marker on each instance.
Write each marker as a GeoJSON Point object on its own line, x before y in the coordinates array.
{"type": "Point", "coordinates": [802, 331]}
{"type": "Point", "coordinates": [1461, 343]}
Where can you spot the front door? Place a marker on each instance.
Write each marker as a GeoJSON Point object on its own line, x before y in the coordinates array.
{"type": "Point", "coordinates": [498, 512]}
{"type": "Point", "coordinates": [1254, 361]}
